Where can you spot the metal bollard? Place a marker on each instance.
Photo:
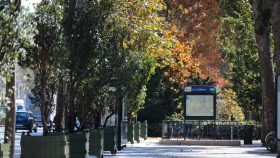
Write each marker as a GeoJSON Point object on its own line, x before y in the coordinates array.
{"type": "Point", "coordinates": [231, 133]}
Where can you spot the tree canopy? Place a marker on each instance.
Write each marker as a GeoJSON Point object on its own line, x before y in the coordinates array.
{"type": "Point", "coordinates": [92, 56]}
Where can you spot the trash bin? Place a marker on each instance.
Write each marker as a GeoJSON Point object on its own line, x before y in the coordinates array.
{"type": "Point", "coordinates": [248, 134]}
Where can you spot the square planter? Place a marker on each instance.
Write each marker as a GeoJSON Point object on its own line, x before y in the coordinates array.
{"type": "Point", "coordinates": [130, 133]}
{"type": "Point", "coordinates": [44, 146]}
{"type": "Point", "coordinates": [5, 150]}
{"type": "Point", "coordinates": [96, 141]}
{"type": "Point", "coordinates": [110, 139]}
{"type": "Point", "coordinates": [78, 145]}
{"type": "Point", "coordinates": [137, 132]}
{"type": "Point", "coordinates": [143, 129]}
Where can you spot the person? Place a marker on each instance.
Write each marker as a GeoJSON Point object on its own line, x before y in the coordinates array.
{"type": "Point", "coordinates": [77, 126]}
{"type": "Point", "coordinates": [50, 121]}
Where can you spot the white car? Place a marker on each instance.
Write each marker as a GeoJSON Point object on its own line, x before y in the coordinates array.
{"type": "Point", "coordinates": [20, 105]}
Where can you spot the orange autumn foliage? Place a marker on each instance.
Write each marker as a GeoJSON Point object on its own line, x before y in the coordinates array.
{"type": "Point", "coordinates": [182, 65]}
{"type": "Point", "coordinates": [198, 22]}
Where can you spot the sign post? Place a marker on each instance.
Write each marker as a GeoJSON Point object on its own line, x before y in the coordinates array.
{"type": "Point", "coordinates": [199, 103]}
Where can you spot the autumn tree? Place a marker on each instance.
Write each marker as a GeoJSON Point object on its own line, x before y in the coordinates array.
{"type": "Point", "coordinates": [198, 22]}
{"type": "Point", "coordinates": [193, 51]}
{"type": "Point", "coordinates": [183, 63]}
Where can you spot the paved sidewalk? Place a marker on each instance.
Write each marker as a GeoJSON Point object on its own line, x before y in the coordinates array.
{"type": "Point", "coordinates": [151, 149]}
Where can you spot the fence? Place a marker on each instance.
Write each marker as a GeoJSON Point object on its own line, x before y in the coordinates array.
{"type": "Point", "coordinates": [206, 129]}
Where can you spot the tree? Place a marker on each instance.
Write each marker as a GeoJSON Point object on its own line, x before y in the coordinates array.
{"type": "Point", "coordinates": [134, 77]}
{"type": "Point", "coordinates": [141, 27]}
{"type": "Point", "coordinates": [228, 108]}
{"type": "Point", "coordinates": [262, 12]}
{"type": "Point", "coordinates": [182, 63]}
{"type": "Point", "coordinates": [161, 102]}
{"type": "Point", "coordinates": [8, 51]}
{"type": "Point", "coordinates": [44, 57]}
{"type": "Point", "coordinates": [94, 93]}
{"type": "Point", "coordinates": [198, 22]}
{"type": "Point", "coordinates": [83, 25]}
{"type": "Point", "coordinates": [240, 52]}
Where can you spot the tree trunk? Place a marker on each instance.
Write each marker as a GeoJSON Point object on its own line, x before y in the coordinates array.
{"type": "Point", "coordinates": [10, 122]}
{"type": "Point", "coordinates": [60, 107]}
{"type": "Point", "coordinates": [275, 20]}
{"type": "Point", "coordinates": [119, 102]}
{"type": "Point", "coordinates": [262, 17]}
{"type": "Point", "coordinates": [72, 111]}
{"type": "Point", "coordinates": [97, 120]}
{"type": "Point", "coordinates": [43, 83]}
{"type": "Point", "coordinates": [107, 118]}
{"type": "Point", "coordinates": [74, 86]}
{"type": "Point", "coordinates": [276, 32]}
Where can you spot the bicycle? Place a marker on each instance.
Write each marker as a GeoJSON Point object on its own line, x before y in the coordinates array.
{"type": "Point", "coordinates": [271, 142]}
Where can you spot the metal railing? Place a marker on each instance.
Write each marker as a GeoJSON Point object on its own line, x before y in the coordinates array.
{"type": "Point", "coordinates": [206, 129]}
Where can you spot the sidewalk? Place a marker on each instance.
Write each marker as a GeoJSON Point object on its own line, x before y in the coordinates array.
{"type": "Point", "coordinates": [151, 149]}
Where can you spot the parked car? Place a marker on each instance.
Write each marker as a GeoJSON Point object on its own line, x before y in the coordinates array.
{"type": "Point", "coordinates": [26, 121]}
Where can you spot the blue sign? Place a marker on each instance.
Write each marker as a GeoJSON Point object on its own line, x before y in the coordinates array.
{"type": "Point", "coordinates": [200, 89]}
{"type": "Point", "coordinates": [199, 102]}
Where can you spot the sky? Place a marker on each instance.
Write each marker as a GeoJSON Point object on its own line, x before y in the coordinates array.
{"type": "Point", "coordinates": [29, 3]}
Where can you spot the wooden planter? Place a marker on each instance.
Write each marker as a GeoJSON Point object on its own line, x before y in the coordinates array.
{"type": "Point", "coordinates": [4, 150]}
{"type": "Point", "coordinates": [110, 139]}
{"type": "Point", "coordinates": [78, 145]}
{"type": "Point", "coordinates": [130, 133]}
{"type": "Point", "coordinates": [44, 146]}
{"type": "Point", "coordinates": [96, 141]}
{"type": "Point", "coordinates": [144, 128]}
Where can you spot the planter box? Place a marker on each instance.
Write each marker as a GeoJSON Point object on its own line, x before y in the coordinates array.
{"type": "Point", "coordinates": [110, 139]}
{"type": "Point", "coordinates": [78, 145]}
{"type": "Point", "coordinates": [137, 132]}
{"type": "Point", "coordinates": [144, 128]}
{"type": "Point", "coordinates": [44, 146]}
{"type": "Point", "coordinates": [96, 141]}
{"type": "Point", "coordinates": [130, 133]}
{"type": "Point", "coordinates": [4, 150]}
